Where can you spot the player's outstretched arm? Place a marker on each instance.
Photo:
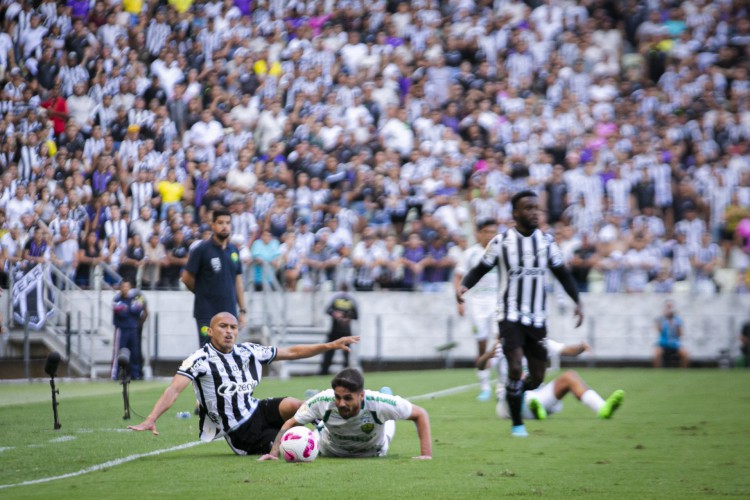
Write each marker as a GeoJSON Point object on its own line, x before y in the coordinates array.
{"type": "Point", "coordinates": [578, 313]}
{"type": "Point", "coordinates": [165, 402]}
{"type": "Point", "coordinates": [575, 349]}
{"type": "Point", "coordinates": [274, 453]}
{"type": "Point", "coordinates": [471, 279]}
{"type": "Point", "coordinates": [308, 351]}
{"type": "Point", "coordinates": [457, 277]}
{"type": "Point", "coordinates": [460, 292]}
{"type": "Point", "coordinates": [422, 420]}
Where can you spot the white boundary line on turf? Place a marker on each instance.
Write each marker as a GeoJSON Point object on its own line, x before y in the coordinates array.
{"type": "Point", "coordinates": [120, 461]}
{"type": "Point", "coordinates": [111, 463]}
{"type": "Point", "coordinates": [444, 392]}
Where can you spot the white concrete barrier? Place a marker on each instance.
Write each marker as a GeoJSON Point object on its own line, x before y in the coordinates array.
{"type": "Point", "coordinates": [404, 326]}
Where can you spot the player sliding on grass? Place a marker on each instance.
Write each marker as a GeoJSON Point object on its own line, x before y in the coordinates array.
{"type": "Point", "coordinates": [547, 399]}
{"type": "Point", "coordinates": [354, 422]}
{"type": "Point", "coordinates": [224, 376]}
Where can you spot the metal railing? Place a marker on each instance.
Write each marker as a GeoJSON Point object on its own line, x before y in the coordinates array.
{"type": "Point", "coordinates": [69, 320]}
{"type": "Point", "coordinates": [273, 311]}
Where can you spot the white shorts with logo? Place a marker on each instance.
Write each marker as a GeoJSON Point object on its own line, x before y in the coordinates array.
{"type": "Point", "coordinates": [483, 316]}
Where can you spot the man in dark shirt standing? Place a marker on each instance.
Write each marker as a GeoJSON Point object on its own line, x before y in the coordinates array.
{"type": "Point", "coordinates": [128, 314]}
{"type": "Point", "coordinates": [177, 249]}
{"type": "Point", "coordinates": [555, 194]}
{"type": "Point", "coordinates": [214, 274]}
{"type": "Point", "coordinates": [343, 310]}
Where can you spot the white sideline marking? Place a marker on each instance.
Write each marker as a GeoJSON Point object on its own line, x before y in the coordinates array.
{"type": "Point", "coordinates": [444, 392]}
{"type": "Point", "coordinates": [62, 439]}
{"type": "Point", "coordinates": [120, 461]}
{"type": "Point", "coordinates": [6, 448]}
{"type": "Point", "coordinates": [91, 431]}
{"type": "Point", "coordinates": [111, 463]}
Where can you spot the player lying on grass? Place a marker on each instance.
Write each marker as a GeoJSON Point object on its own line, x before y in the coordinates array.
{"type": "Point", "coordinates": [547, 399]}
{"type": "Point", "coordinates": [224, 376]}
{"type": "Point", "coordinates": [354, 422]}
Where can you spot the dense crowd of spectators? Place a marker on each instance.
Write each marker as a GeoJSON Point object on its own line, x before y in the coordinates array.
{"type": "Point", "coordinates": [361, 141]}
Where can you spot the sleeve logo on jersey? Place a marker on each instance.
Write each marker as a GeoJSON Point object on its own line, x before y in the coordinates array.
{"type": "Point", "coordinates": [229, 388]}
{"type": "Point", "coordinates": [193, 365]}
{"type": "Point", "coordinates": [265, 352]}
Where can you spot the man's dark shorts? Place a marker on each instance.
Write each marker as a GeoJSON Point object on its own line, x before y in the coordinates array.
{"type": "Point", "coordinates": [529, 338]}
{"type": "Point", "coordinates": [256, 436]}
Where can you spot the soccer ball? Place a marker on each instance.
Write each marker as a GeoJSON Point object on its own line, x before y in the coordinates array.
{"type": "Point", "coordinates": [299, 444]}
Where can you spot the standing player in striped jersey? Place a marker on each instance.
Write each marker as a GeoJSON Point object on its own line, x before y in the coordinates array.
{"type": "Point", "coordinates": [224, 377]}
{"type": "Point", "coordinates": [481, 303]}
{"type": "Point", "coordinates": [524, 254]}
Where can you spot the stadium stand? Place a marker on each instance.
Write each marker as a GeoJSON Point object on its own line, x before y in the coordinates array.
{"type": "Point", "coordinates": [370, 136]}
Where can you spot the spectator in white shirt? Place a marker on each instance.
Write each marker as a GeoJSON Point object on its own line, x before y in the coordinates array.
{"type": "Point", "coordinates": [65, 252]}
{"type": "Point", "coordinates": [204, 136]}
{"type": "Point", "coordinates": [19, 205]}
{"type": "Point", "coordinates": [396, 133]}
{"type": "Point", "coordinates": [270, 126]}
{"type": "Point", "coordinates": [31, 38]}
{"type": "Point", "coordinates": [353, 52]}
{"type": "Point", "coordinates": [81, 107]}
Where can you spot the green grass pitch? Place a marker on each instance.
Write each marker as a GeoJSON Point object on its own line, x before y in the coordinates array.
{"type": "Point", "coordinates": [679, 434]}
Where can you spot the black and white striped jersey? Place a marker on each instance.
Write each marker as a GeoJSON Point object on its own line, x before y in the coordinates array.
{"type": "Point", "coordinates": [140, 194]}
{"type": "Point", "coordinates": [523, 261]}
{"type": "Point", "coordinates": [156, 36]}
{"type": "Point", "coordinates": [224, 385]}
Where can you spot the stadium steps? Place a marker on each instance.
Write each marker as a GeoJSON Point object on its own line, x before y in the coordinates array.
{"type": "Point", "coordinates": [41, 343]}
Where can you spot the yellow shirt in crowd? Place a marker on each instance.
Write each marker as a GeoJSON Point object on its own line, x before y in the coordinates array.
{"type": "Point", "coordinates": [170, 192]}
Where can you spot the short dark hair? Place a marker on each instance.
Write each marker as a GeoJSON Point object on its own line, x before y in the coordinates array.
{"type": "Point", "coordinates": [350, 379]}
{"type": "Point", "coordinates": [486, 222]}
{"type": "Point", "coordinates": [521, 195]}
{"type": "Point", "coordinates": [220, 212]}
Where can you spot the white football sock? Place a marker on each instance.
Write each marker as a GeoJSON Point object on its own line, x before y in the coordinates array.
{"type": "Point", "coordinates": [592, 399]}
{"type": "Point", "coordinates": [484, 379]}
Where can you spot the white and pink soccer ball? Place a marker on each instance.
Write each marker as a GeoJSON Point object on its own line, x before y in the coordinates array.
{"type": "Point", "coordinates": [299, 444]}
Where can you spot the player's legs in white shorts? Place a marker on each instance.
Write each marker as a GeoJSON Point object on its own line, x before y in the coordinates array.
{"type": "Point", "coordinates": [485, 329]}
{"type": "Point", "coordinates": [544, 394]}
{"type": "Point", "coordinates": [483, 320]}
{"type": "Point", "coordinates": [483, 326]}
